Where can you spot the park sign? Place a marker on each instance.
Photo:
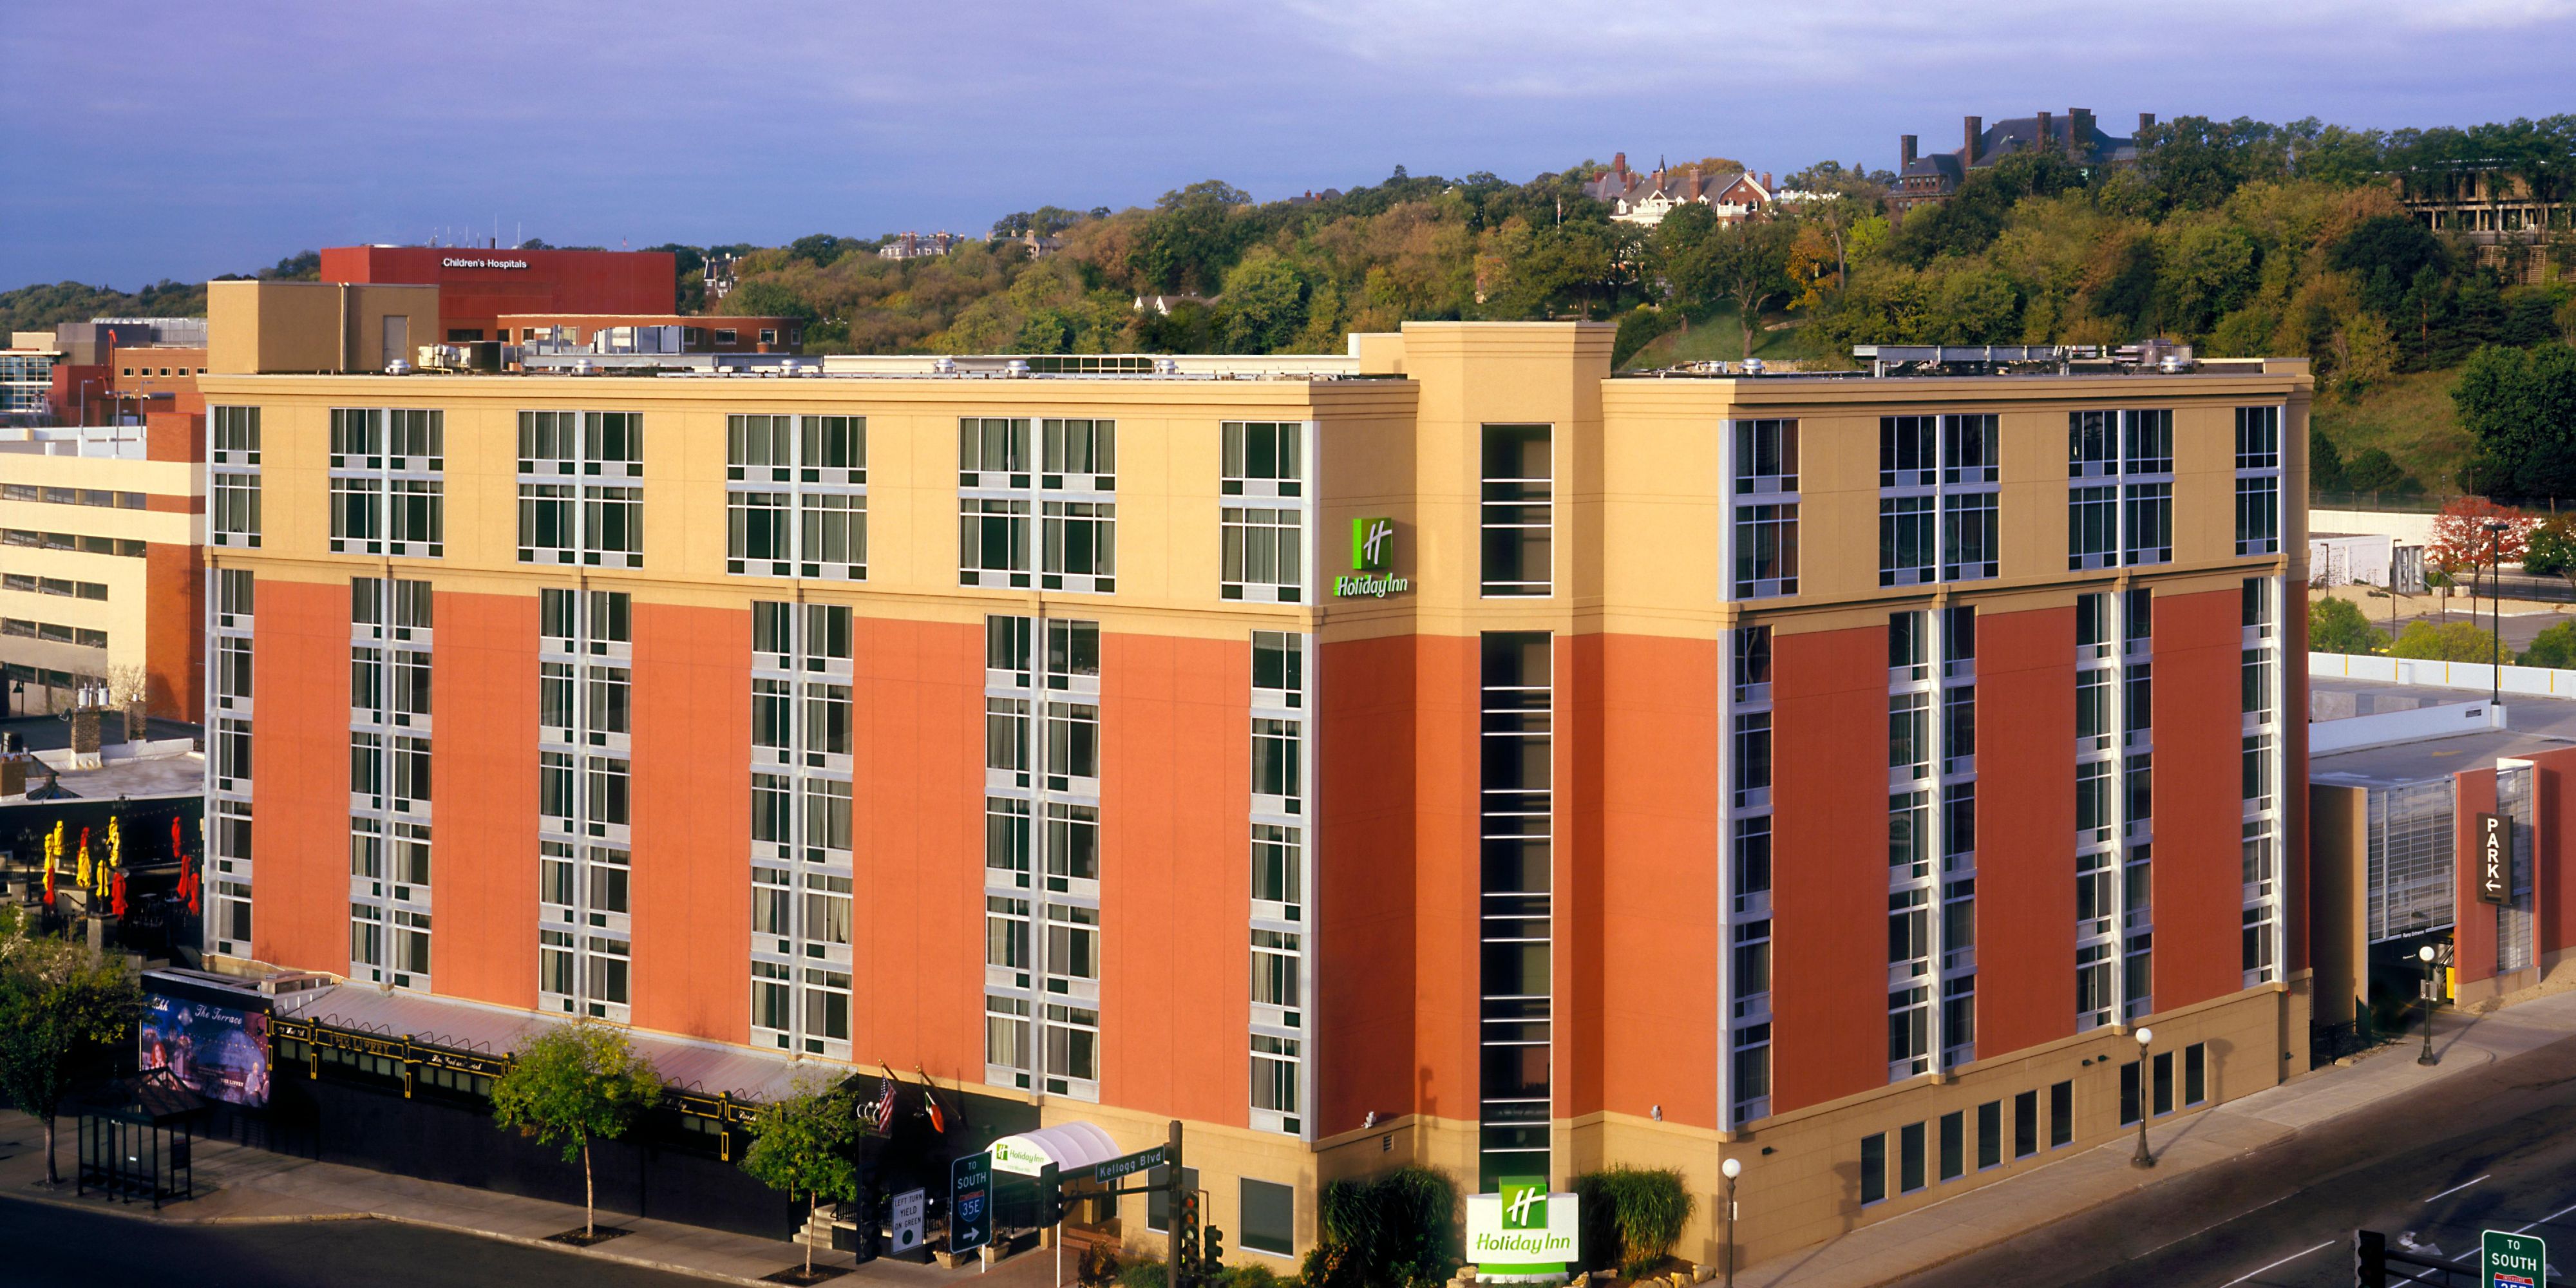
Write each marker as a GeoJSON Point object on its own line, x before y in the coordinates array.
{"type": "Point", "coordinates": [2511, 1260]}
{"type": "Point", "coordinates": [2495, 859]}
{"type": "Point", "coordinates": [1372, 558]}
{"type": "Point", "coordinates": [1522, 1231]}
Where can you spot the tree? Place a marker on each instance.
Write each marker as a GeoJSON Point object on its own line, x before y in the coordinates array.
{"type": "Point", "coordinates": [2337, 626]}
{"type": "Point", "coordinates": [576, 1083]}
{"type": "Point", "coordinates": [2372, 469]}
{"type": "Point", "coordinates": [2552, 548]}
{"type": "Point", "coordinates": [801, 1143]}
{"type": "Point", "coordinates": [2446, 642]}
{"type": "Point", "coordinates": [2462, 543]}
{"type": "Point", "coordinates": [63, 1011]}
{"type": "Point", "coordinates": [2519, 406]}
{"type": "Point", "coordinates": [1747, 263]}
{"type": "Point", "coordinates": [2555, 647]}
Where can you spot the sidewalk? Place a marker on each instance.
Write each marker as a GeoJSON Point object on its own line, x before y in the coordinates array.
{"type": "Point", "coordinates": [1889, 1251]}
{"type": "Point", "coordinates": [240, 1185]}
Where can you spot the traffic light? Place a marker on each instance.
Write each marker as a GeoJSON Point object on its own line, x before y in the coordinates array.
{"type": "Point", "coordinates": [1188, 1216]}
{"type": "Point", "coordinates": [1213, 1251]}
{"type": "Point", "coordinates": [2369, 1259]}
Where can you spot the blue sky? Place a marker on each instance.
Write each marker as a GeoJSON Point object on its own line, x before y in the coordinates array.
{"type": "Point", "coordinates": [186, 139]}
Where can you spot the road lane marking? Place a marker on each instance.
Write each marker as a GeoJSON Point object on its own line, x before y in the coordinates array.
{"type": "Point", "coordinates": [2277, 1264]}
{"type": "Point", "coordinates": [2459, 1187]}
{"type": "Point", "coordinates": [2524, 1230]}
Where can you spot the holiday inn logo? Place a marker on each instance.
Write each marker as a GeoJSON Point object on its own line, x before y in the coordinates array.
{"type": "Point", "coordinates": [1372, 555]}
{"type": "Point", "coordinates": [1521, 1229]}
{"type": "Point", "coordinates": [1372, 544]}
{"type": "Point", "coordinates": [1524, 1205]}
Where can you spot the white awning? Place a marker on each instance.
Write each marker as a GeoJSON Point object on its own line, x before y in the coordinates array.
{"type": "Point", "coordinates": [1067, 1146]}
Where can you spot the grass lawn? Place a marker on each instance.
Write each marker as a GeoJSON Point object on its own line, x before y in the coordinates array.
{"type": "Point", "coordinates": [1715, 339]}
{"type": "Point", "coordinates": [2410, 417]}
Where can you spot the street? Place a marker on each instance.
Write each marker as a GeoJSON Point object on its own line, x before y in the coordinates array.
{"type": "Point", "coordinates": [50, 1245]}
{"type": "Point", "coordinates": [2493, 1149]}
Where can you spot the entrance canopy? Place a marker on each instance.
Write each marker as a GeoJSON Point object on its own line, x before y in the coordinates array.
{"type": "Point", "coordinates": [1067, 1146]}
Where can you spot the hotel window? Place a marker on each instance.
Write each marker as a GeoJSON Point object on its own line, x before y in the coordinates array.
{"type": "Point", "coordinates": [757, 534]}
{"type": "Point", "coordinates": [367, 938]}
{"type": "Point", "coordinates": [2092, 444]}
{"type": "Point", "coordinates": [357, 525]}
{"type": "Point", "coordinates": [2258, 516]}
{"type": "Point", "coordinates": [1080, 544]}
{"type": "Point", "coordinates": [1905, 540]}
{"type": "Point", "coordinates": [1277, 866]}
{"type": "Point", "coordinates": [611, 961]}
{"type": "Point", "coordinates": [2147, 520]}
{"type": "Point", "coordinates": [612, 527]}
{"type": "Point", "coordinates": [770, 993]}
{"type": "Point", "coordinates": [1264, 554]}
{"type": "Point", "coordinates": [1073, 743]}
{"type": "Point", "coordinates": [232, 671]}
{"type": "Point", "coordinates": [571, 509]}
{"type": "Point", "coordinates": [1873, 1168]}
{"type": "Point", "coordinates": [1275, 956]}
{"type": "Point", "coordinates": [1971, 540]}
{"type": "Point", "coordinates": [416, 509]}
{"type": "Point", "coordinates": [1073, 848]}
{"type": "Point", "coordinates": [827, 821]}
{"type": "Point", "coordinates": [993, 542]}
{"type": "Point", "coordinates": [1262, 458]}
{"type": "Point", "coordinates": [411, 947]}
{"type": "Point", "coordinates": [1518, 510]}
{"type": "Point", "coordinates": [235, 505]}
{"type": "Point", "coordinates": [1073, 1050]}
{"type": "Point", "coordinates": [2092, 527]}
{"type": "Point", "coordinates": [1006, 842]}
{"type": "Point", "coordinates": [1006, 1040]}
{"type": "Point", "coordinates": [1766, 550]}
{"type": "Point", "coordinates": [1274, 1077]}
{"type": "Point", "coordinates": [1079, 455]}
{"type": "Point", "coordinates": [608, 793]}
{"type": "Point", "coordinates": [1753, 759]}
{"type": "Point", "coordinates": [827, 908]}
{"type": "Point", "coordinates": [1006, 934]}
{"type": "Point", "coordinates": [1516, 788]}
{"type": "Point", "coordinates": [556, 875]}
{"type": "Point", "coordinates": [1766, 456]}
{"type": "Point", "coordinates": [992, 452]}
{"type": "Point", "coordinates": [1275, 760]}
{"type": "Point", "coordinates": [235, 435]}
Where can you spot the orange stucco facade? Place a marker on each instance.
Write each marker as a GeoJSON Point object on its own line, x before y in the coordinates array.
{"type": "Point", "coordinates": [1082, 846]}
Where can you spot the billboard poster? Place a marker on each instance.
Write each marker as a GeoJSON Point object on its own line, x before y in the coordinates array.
{"type": "Point", "coordinates": [220, 1052]}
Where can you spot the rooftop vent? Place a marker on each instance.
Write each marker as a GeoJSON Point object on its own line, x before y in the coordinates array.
{"type": "Point", "coordinates": [945, 366]}
{"type": "Point", "coordinates": [1015, 368]}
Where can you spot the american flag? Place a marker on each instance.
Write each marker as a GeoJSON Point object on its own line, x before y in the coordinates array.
{"type": "Point", "coordinates": [883, 1115]}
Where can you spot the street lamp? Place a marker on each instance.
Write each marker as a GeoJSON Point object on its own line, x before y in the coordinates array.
{"type": "Point", "coordinates": [1731, 1168]}
{"type": "Point", "coordinates": [2142, 1157]}
{"type": "Point", "coordinates": [2495, 604]}
{"type": "Point", "coordinates": [2424, 990]}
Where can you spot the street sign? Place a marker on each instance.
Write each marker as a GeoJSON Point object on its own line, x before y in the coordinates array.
{"type": "Point", "coordinates": [907, 1220]}
{"type": "Point", "coordinates": [2495, 859]}
{"type": "Point", "coordinates": [1129, 1164]}
{"type": "Point", "coordinates": [2511, 1260]}
{"type": "Point", "coordinates": [970, 1203]}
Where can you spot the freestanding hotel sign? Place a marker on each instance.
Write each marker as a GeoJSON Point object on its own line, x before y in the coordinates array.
{"type": "Point", "coordinates": [1523, 1232]}
{"type": "Point", "coordinates": [1372, 555]}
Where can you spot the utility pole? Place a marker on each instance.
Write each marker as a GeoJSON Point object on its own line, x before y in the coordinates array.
{"type": "Point", "coordinates": [1172, 1212]}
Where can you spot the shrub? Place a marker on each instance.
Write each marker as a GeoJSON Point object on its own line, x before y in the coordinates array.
{"type": "Point", "coordinates": [2372, 469]}
{"type": "Point", "coordinates": [2337, 626]}
{"type": "Point", "coordinates": [2554, 647]}
{"type": "Point", "coordinates": [1395, 1230]}
{"type": "Point", "coordinates": [1632, 1216]}
{"type": "Point", "coordinates": [2448, 642]}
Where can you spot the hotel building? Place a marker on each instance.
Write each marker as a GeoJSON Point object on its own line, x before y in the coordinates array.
{"type": "Point", "coordinates": [1451, 752]}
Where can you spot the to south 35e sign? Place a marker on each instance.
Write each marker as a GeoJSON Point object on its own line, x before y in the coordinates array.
{"type": "Point", "coordinates": [2495, 859]}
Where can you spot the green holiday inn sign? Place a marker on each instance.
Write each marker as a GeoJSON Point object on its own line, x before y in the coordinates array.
{"type": "Point", "coordinates": [1372, 558]}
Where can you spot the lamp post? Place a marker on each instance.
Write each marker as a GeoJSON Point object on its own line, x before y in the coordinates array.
{"type": "Point", "coordinates": [2495, 605]}
{"type": "Point", "coordinates": [2424, 993]}
{"type": "Point", "coordinates": [1731, 1168]}
{"type": "Point", "coordinates": [2142, 1158]}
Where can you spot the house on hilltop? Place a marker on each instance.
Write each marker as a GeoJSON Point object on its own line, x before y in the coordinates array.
{"type": "Point", "coordinates": [1928, 180]}
{"type": "Point", "coordinates": [1645, 198]}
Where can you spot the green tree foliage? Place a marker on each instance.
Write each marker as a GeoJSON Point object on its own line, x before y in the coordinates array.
{"type": "Point", "coordinates": [767, 299]}
{"type": "Point", "coordinates": [64, 1013]}
{"type": "Point", "coordinates": [2519, 406]}
{"type": "Point", "coordinates": [576, 1083]}
{"type": "Point", "coordinates": [2372, 469]}
{"type": "Point", "coordinates": [2551, 550]}
{"type": "Point", "coordinates": [2445, 642]}
{"type": "Point", "coordinates": [2554, 647]}
{"type": "Point", "coordinates": [1632, 1216]}
{"type": "Point", "coordinates": [1399, 1229]}
{"type": "Point", "coordinates": [2337, 626]}
{"type": "Point", "coordinates": [2325, 462]}
{"type": "Point", "coordinates": [804, 1143]}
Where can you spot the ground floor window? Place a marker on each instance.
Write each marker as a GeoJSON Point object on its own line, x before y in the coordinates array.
{"type": "Point", "coordinates": [1269, 1217]}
